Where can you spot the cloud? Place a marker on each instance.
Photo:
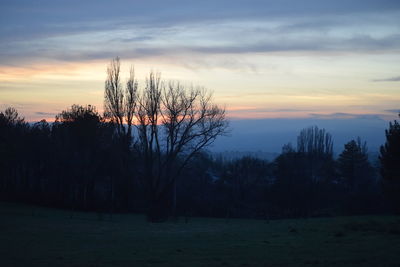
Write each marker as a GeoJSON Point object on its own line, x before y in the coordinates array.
{"type": "Point", "coordinates": [270, 110]}
{"type": "Point", "coordinates": [391, 79]}
{"type": "Point", "coordinates": [343, 115]}
{"type": "Point", "coordinates": [316, 44]}
{"type": "Point", "coordinates": [49, 114]}
{"type": "Point", "coordinates": [99, 46]}
{"type": "Point", "coordinates": [396, 111]}
{"type": "Point", "coordinates": [136, 39]}
{"type": "Point", "coordinates": [137, 29]}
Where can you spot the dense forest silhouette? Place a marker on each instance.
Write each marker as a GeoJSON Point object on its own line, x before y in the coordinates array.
{"type": "Point", "coordinates": [147, 153]}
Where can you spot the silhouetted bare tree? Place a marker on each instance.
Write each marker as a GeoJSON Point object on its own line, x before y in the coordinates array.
{"type": "Point", "coordinates": [10, 116]}
{"type": "Point", "coordinates": [317, 146]}
{"type": "Point", "coordinates": [120, 103]}
{"type": "Point", "coordinates": [315, 141]}
{"type": "Point", "coordinates": [174, 123]}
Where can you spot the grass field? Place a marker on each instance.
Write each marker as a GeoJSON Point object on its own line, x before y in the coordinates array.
{"type": "Point", "coordinates": [34, 236]}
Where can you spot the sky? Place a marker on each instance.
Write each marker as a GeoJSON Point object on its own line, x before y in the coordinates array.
{"type": "Point", "coordinates": [309, 61]}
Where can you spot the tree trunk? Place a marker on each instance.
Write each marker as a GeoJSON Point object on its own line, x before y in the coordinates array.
{"type": "Point", "coordinates": [160, 205]}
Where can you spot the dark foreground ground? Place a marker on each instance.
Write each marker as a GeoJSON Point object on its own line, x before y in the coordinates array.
{"type": "Point", "coordinates": [33, 236]}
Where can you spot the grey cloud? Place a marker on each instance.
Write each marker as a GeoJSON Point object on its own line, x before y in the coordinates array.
{"type": "Point", "coordinates": [341, 115]}
{"type": "Point", "coordinates": [332, 115]}
{"type": "Point", "coordinates": [396, 111]}
{"type": "Point", "coordinates": [358, 44]}
{"type": "Point", "coordinates": [45, 113]}
{"type": "Point", "coordinates": [29, 30]}
{"type": "Point", "coordinates": [363, 43]}
{"type": "Point", "coordinates": [267, 110]}
{"type": "Point", "coordinates": [391, 79]}
{"type": "Point", "coordinates": [136, 39]}
{"type": "Point", "coordinates": [24, 18]}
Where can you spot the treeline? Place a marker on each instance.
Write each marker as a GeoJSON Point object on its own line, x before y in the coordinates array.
{"type": "Point", "coordinates": [81, 162]}
{"type": "Point", "coordinates": [146, 154]}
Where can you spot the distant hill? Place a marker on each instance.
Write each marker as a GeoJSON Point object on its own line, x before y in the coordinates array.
{"type": "Point", "coordinates": [271, 134]}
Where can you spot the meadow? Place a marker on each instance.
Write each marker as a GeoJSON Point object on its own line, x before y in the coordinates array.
{"type": "Point", "coordinates": [37, 236]}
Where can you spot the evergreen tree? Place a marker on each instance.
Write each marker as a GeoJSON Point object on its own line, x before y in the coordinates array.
{"type": "Point", "coordinates": [390, 164]}
{"type": "Point", "coordinates": [354, 167]}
